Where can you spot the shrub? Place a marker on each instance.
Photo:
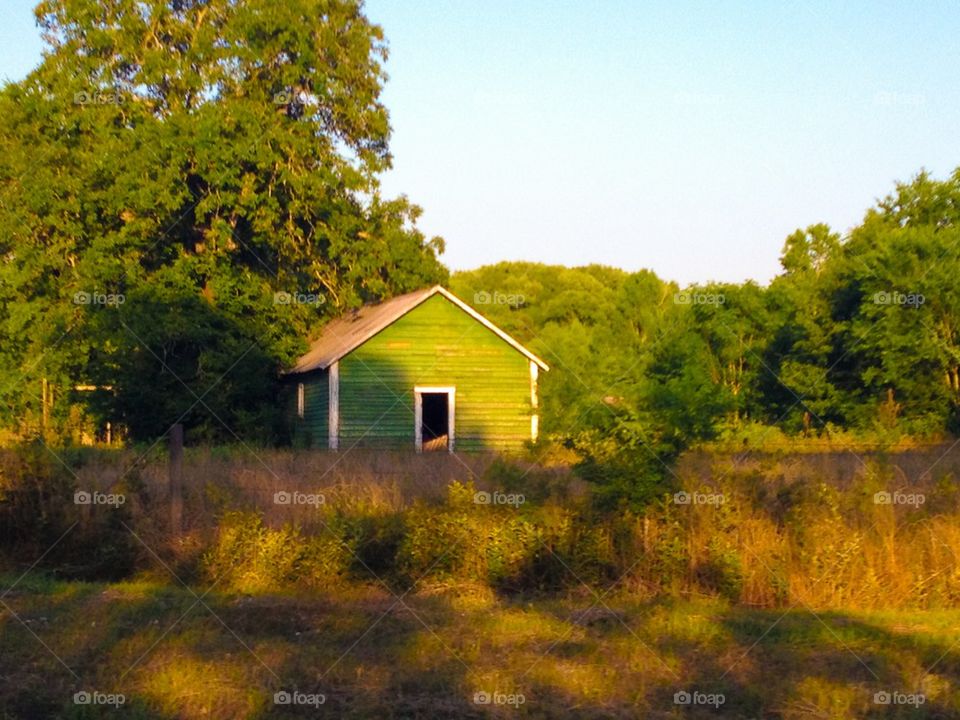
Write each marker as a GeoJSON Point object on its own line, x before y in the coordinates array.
{"type": "Point", "coordinates": [250, 557]}
{"type": "Point", "coordinates": [465, 540]}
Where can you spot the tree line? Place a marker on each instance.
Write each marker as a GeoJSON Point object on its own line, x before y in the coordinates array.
{"type": "Point", "coordinates": [190, 190]}
{"type": "Point", "coordinates": [857, 336]}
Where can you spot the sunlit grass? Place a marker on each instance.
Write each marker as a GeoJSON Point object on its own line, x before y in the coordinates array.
{"type": "Point", "coordinates": [371, 656]}
{"type": "Point", "coordinates": [179, 685]}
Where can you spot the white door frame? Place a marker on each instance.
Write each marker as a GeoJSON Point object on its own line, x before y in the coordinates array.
{"type": "Point", "coordinates": [418, 392]}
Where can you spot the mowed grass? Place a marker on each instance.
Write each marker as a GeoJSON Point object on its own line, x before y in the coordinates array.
{"type": "Point", "coordinates": [179, 652]}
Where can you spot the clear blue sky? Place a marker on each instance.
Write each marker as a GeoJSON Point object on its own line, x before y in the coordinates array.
{"type": "Point", "coordinates": [689, 138]}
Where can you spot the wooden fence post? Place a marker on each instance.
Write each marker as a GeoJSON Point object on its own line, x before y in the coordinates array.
{"type": "Point", "coordinates": [176, 478]}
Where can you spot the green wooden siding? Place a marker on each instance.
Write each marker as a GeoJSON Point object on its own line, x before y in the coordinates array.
{"type": "Point", "coordinates": [311, 429]}
{"type": "Point", "coordinates": [436, 343]}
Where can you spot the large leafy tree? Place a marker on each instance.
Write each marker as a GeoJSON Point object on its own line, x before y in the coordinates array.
{"type": "Point", "coordinates": [805, 356]}
{"type": "Point", "coordinates": [212, 167]}
{"type": "Point", "coordinates": [900, 267]}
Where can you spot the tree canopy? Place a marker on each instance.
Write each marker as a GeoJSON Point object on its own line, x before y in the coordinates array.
{"type": "Point", "coordinates": [858, 334]}
{"type": "Point", "coordinates": [188, 187]}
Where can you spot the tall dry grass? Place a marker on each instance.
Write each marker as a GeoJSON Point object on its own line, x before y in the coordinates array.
{"type": "Point", "coordinates": [879, 531]}
{"type": "Point", "coordinates": [770, 531]}
{"type": "Point", "coordinates": [243, 477]}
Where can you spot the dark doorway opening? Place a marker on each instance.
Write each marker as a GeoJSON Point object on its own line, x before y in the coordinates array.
{"type": "Point", "coordinates": [435, 421]}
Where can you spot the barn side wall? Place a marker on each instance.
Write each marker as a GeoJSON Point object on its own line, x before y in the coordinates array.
{"type": "Point", "coordinates": [311, 429]}
{"type": "Point", "coordinates": [437, 343]}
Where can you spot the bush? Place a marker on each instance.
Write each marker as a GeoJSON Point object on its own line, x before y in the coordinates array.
{"type": "Point", "coordinates": [508, 548]}
{"type": "Point", "coordinates": [250, 557]}
{"type": "Point", "coordinates": [464, 540]}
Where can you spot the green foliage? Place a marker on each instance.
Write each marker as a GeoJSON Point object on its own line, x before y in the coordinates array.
{"type": "Point", "coordinates": [184, 163]}
{"type": "Point", "coordinates": [858, 337]}
{"type": "Point", "coordinates": [508, 548]}
{"type": "Point", "coordinates": [250, 557]}
{"type": "Point", "coordinates": [722, 572]}
{"type": "Point", "coordinates": [188, 191]}
{"type": "Point", "coordinates": [465, 540]}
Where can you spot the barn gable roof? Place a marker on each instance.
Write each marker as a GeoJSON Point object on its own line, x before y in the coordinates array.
{"type": "Point", "coordinates": [348, 332]}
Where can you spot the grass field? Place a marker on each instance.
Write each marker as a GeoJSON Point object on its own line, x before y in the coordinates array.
{"type": "Point", "coordinates": [797, 596]}
{"type": "Point", "coordinates": [366, 650]}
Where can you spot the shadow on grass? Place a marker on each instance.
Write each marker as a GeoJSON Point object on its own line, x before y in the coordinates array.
{"type": "Point", "coordinates": [372, 656]}
{"type": "Point", "coordinates": [174, 656]}
{"type": "Point", "coordinates": [836, 664]}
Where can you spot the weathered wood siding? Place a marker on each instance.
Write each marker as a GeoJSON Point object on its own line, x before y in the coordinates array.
{"type": "Point", "coordinates": [311, 429]}
{"type": "Point", "coordinates": [437, 343]}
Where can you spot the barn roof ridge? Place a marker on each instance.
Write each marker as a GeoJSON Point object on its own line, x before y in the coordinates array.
{"type": "Point", "coordinates": [344, 334]}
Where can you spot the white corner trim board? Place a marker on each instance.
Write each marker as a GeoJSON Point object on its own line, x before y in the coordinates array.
{"type": "Point", "coordinates": [534, 401]}
{"type": "Point", "coordinates": [333, 406]}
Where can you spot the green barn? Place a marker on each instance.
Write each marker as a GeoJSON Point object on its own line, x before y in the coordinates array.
{"type": "Point", "coordinates": [423, 370]}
